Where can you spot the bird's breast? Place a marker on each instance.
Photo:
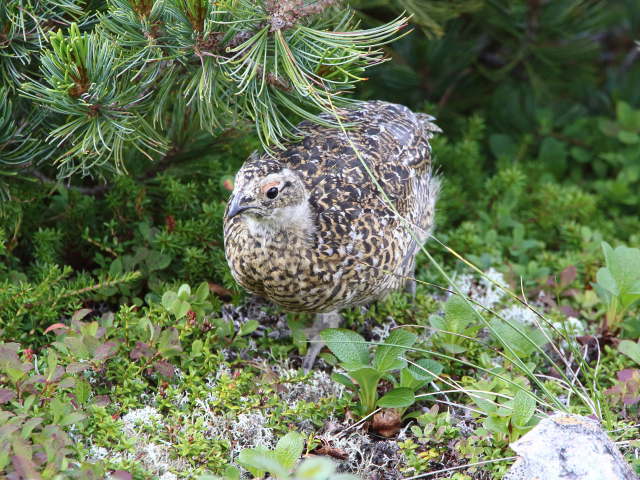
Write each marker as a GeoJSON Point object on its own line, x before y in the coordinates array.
{"type": "Point", "coordinates": [307, 276]}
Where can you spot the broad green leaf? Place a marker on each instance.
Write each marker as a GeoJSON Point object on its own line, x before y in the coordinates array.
{"type": "Point", "coordinates": [486, 402]}
{"type": "Point", "coordinates": [623, 264]}
{"type": "Point", "coordinates": [458, 314]}
{"type": "Point", "coordinates": [343, 379]}
{"type": "Point", "coordinates": [58, 409]}
{"type": "Point", "coordinates": [184, 291]}
{"type": "Point", "coordinates": [77, 347]}
{"type": "Point", "coordinates": [407, 380]}
{"type": "Point", "coordinates": [4, 459]}
{"type": "Point", "coordinates": [168, 299]}
{"type": "Point", "coordinates": [202, 292]}
{"type": "Point", "coordinates": [426, 369]}
{"type": "Point", "coordinates": [169, 342]}
{"type": "Point", "coordinates": [29, 425]}
{"type": "Point", "coordinates": [30, 400]}
{"type": "Point", "coordinates": [196, 348]}
{"type": "Point", "coordinates": [157, 260]}
{"type": "Point", "coordinates": [350, 348]}
{"type": "Point", "coordinates": [71, 418]}
{"type": "Point", "coordinates": [231, 473]}
{"type": "Point", "coordinates": [316, 468]}
{"type": "Point", "coordinates": [298, 336]}
{"type": "Point", "coordinates": [630, 138]}
{"type": "Point", "coordinates": [387, 353]}
{"type": "Point", "coordinates": [52, 363]}
{"type": "Point", "coordinates": [458, 320]}
{"type": "Point", "coordinates": [289, 449]}
{"type": "Point", "coordinates": [397, 398]}
{"type": "Point", "coordinates": [630, 349]}
{"type": "Point", "coordinates": [366, 376]}
{"type": "Point", "coordinates": [509, 334]}
{"type": "Point", "coordinates": [259, 460]}
{"type": "Point", "coordinates": [249, 327]}
{"type": "Point", "coordinates": [175, 305]}
{"type": "Point", "coordinates": [496, 424]}
{"type": "Point", "coordinates": [524, 406]}
{"type": "Point", "coordinates": [116, 268]}
{"type": "Point", "coordinates": [15, 374]}
{"type": "Point", "coordinates": [181, 308]}
{"type": "Point", "coordinates": [627, 116]}
{"type": "Point", "coordinates": [453, 347]}
{"type": "Point", "coordinates": [367, 379]}
{"type": "Point", "coordinates": [82, 390]}
{"type": "Point", "coordinates": [607, 282]}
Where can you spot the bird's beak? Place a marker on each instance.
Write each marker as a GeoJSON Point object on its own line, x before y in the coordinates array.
{"type": "Point", "coordinates": [237, 206]}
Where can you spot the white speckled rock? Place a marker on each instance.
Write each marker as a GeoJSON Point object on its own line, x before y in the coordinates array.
{"type": "Point", "coordinates": [568, 447]}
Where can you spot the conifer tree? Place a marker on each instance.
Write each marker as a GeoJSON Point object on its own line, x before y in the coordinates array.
{"type": "Point", "coordinates": [90, 87]}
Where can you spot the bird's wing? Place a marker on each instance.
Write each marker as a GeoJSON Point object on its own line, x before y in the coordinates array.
{"type": "Point", "coordinates": [392, 145]}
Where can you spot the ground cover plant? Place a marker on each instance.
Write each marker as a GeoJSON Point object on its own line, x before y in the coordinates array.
{"type": "Point", "coordinates": [126, 348]}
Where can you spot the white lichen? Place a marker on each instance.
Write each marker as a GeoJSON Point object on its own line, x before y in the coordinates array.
{"type": "Point", "coordinates": [250, 430]}
{"type": "Point", "coordinates": [313, 390]}
{"type": "Point", "coordinates": [521, 315]}
{"type": "Point", "coordinates": [484, 290]}
{"type": "Point", "coordinates": [141, 417]}
{"type": "Point", "coordinates": [98, 453]}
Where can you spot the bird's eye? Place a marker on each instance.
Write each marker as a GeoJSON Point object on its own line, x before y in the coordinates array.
{"type": "Point", "coordinates": [272, 192]}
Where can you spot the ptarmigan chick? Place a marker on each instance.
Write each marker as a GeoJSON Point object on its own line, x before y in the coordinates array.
{"type": "Point", "coordinates": [308, 228]}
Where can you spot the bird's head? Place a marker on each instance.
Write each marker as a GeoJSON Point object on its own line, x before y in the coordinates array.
{"type": "Point", "coordinates": [274, 202]}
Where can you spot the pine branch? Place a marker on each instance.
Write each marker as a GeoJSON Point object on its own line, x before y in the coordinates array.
{"type": "Point", "coordinates": [146, 66]}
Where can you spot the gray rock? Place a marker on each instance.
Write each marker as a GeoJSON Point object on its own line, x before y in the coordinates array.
{"type": "Point", "coordinates": [568, 447]}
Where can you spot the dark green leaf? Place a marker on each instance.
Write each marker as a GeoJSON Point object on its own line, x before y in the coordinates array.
{"type": "Point", "coordinates": [387, 353]}
{"type": "Point", "coordinates": [398, 398]}
{"type": "Point", "coordinates": [289, 449]}
{"type": "Point", "coordinates": [630, 349]}
{"type": "Point", "coordinates": [350, 348]}
{"type": "Point", "coordinates": [524, 406]}
{"type": "Point", "coordinates": [260, 460]}
{"type": "Point", "coordinates": [344, 380]}
{"type": "Point", "coordinates": [426, 369]}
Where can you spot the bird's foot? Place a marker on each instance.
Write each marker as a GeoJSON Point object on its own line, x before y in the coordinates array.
{"type": "Point", "coordinates": [320, 323]}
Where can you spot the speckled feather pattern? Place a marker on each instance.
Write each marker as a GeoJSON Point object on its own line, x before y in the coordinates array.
{"type": "Point", "coordinates": [360, 249]}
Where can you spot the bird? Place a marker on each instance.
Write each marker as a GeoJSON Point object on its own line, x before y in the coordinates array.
{"type": "Point", "coordinates": [336, 218]}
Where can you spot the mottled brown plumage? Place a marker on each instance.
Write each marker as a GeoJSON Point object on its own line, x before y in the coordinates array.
{"type": "Point", "coordinates": [307, 227]}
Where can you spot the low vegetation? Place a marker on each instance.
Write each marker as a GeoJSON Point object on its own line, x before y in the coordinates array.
{"type": "Point", "coordinates": [126, 348]}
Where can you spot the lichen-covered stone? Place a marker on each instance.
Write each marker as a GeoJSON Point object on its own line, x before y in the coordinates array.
{"type": "Point", "coordinates": [568, 447]}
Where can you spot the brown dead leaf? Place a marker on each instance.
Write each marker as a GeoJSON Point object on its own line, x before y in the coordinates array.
{"type": "Point", "coordinates": [220, 291]}
{"type": "Point", "coordinates": [387, 422]}
{"type": "Point", "coordinates": [330, 451]}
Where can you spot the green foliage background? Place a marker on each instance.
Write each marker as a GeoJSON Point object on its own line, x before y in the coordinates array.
{"type": "Point", "coordinates": [540, 156]}
{"type": "Point", "coordinates": [541, 151]}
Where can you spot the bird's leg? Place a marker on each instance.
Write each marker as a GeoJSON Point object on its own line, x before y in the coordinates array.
{"type": "Point", "coordinates": [321, 322]}
{"type": "Point", "coordinates": [410, 282]}
{"type": "Point", "coordinates": [410, 288]}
